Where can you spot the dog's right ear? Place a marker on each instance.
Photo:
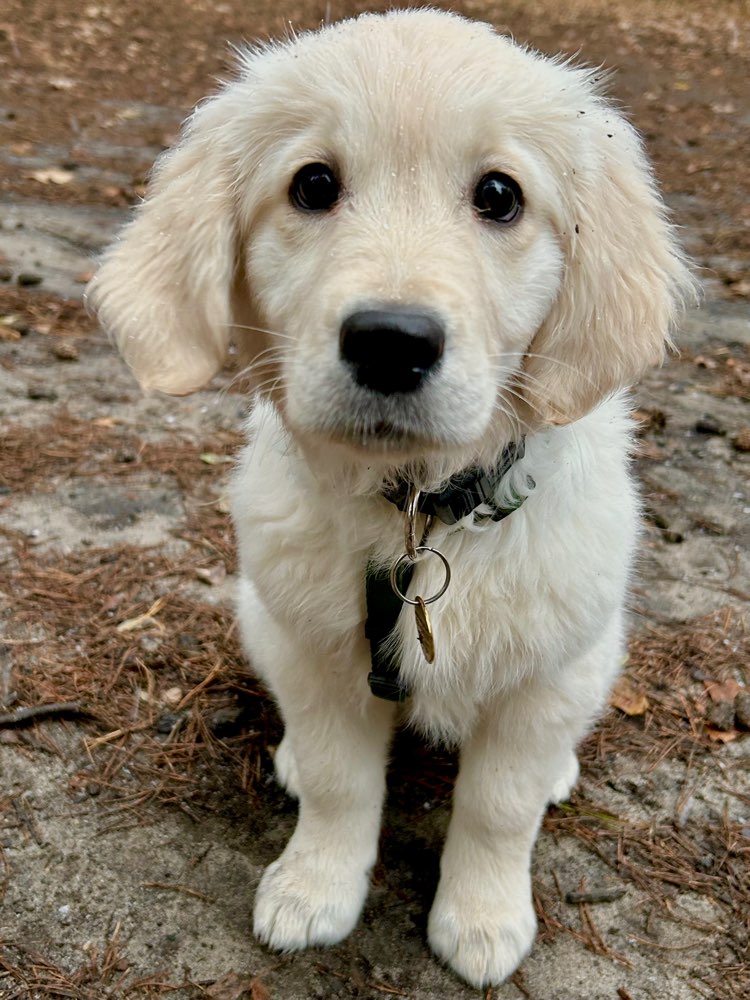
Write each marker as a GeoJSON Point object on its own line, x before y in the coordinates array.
{"type": "Point", "coordinates": [166, 289]}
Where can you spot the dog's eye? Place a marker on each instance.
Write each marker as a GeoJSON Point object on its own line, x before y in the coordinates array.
{"type": "Point", "coordinates": [498, 197]}
{"type": "Point", "coordinates": [314, 188]}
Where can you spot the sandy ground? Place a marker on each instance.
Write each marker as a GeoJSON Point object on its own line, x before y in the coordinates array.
{"type": "Point", "coordinates": [133, 828]}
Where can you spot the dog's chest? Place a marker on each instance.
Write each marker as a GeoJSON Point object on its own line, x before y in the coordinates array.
{"type": "Point", "coordinates": [526, 594]}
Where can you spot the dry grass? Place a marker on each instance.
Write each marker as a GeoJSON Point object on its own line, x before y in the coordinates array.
{"type": "Point", "coordinates": [126, 635]}
{"type": "Point", "coordinates": [105, 975]}
{"type": "Point", "coordinates": [670, 670]}
{"type": "Point", "coordinates": [43, 313]}
{"type": "Point", "coordinates": [157, 669]}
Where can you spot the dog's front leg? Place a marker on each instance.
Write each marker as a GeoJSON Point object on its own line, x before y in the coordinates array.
{"type": "Point", "coordinates": [314, 892]}
{"type": "Point", "coordinates": [482, 921]}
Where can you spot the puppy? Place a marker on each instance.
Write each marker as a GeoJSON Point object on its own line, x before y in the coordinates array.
{"type": "Point", "coordinates": [444, 257]}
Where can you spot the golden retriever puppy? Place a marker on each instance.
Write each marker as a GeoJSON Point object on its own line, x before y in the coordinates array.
{"type": "Point", "coordinates": [445, 257]}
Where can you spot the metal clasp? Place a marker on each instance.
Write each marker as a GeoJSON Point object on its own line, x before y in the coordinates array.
{"type": "Point", "coordinates": [412, 554]}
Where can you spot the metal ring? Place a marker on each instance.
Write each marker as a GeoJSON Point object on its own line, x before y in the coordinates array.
{"type": "Point", "coordinates": [395, 568]}
{"type": "Point", "coordinates": [410, 528]}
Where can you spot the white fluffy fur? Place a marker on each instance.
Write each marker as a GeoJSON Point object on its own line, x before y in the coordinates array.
{"type": "Point", "coordinates": [546, 320]}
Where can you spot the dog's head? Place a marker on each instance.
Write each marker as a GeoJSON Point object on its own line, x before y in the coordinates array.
{"type": "Point", "coordinates": [425, 235]}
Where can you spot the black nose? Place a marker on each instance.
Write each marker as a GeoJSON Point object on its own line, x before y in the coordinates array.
{"type": "Point", "coordinates": [391, 350]}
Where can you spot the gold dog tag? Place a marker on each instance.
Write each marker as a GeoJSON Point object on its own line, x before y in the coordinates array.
{"type": "Point", "coordinates": [424, 629]}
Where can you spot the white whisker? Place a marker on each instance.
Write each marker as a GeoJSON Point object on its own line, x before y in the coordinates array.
{"type": "Point", "coordinates": [259, 329]}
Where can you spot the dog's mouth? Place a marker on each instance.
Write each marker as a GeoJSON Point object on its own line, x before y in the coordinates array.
{"type": "Point", "coordinates": [384, 436]}
{"type": "Point", "coordinates": [393, 436]}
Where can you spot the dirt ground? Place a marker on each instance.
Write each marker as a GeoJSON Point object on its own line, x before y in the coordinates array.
{"type": "Point", "coordinates": [137, 805]}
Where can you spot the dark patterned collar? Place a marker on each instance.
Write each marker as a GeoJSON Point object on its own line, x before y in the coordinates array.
{"type": "Point", "coordinates": [464, 492]}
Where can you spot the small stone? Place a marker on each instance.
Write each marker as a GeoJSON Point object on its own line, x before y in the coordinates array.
{"type": "Point", "coordinates": [41, 392]}
{"type": "Point", "coordinates": [6, 274]}
{"type": "Point", "coordinates": [741, 439]}
{"type": "Point", "coordinates": [93, 789]}
{"type": "Point", "coordinates": [742, 709]}
{"type": "Point", "coordinates": [169, 722]}
{"type": "Point", "coordinates": [149, 642]}
{"type": "Point", "coordinates": [65, 350]}
{"type": "Point", "coordinates": [708, 425]}
{"type": "Point", "coordinates": [28, 278]}
{"type": "Point", "coordinates": [721, 715]}
{"type": "Point", "coordinates": [172, 696]}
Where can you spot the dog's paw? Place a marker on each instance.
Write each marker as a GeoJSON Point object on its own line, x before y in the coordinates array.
{"type": "Point", "coordinates": [566, 782]}
{"type": "Point", "coordinates": [484, 946]}
{"type": "Point", "coordinates": [301, 902]}
{"type": "Point", "coordinates": [285, 766]}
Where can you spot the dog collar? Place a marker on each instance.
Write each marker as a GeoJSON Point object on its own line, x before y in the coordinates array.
{"type": "Point", "coordinates": [465, 493]}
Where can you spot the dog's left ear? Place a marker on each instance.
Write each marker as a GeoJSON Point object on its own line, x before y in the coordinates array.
{"type": "Point", "coordinates": [625, 279]}
{"type": "Point", "coordinates": [169, 288]}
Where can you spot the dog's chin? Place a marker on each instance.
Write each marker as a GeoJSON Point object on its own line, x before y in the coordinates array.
{"type": "Point", "coordinates": [381, 440]}
{"type": "Point", "coordinates": [379, 443]}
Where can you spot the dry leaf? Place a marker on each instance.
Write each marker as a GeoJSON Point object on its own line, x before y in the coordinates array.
{"type": "Point", "coordinates": [258, 991]}
{"type": "Point", "coordinates": [52, 175]}
{"type": "Point", "coordinates": [61, 83]}
{"type": "Point", "coordinates": [726, 691]}
{"type": "Point", "coordinates": [222, 504]}
{"type": "Point", "coordinates": [235, 987]}
{"type": "Point", "coordinates": [128, 114]}
{"type": "Point", "coordinates": [721, 735]}
{"type": "Point", "coordinates": [146, 620]}
{"type": "Point", "coordinates": [213, 575]}
{"type": "Point", "coordinates": [628, 698]}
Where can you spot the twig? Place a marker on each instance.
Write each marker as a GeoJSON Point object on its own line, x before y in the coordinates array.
{"type": "Point", "coordinates": [520, 984]}
{"type": "Point", "coordinates": [602, 895]}
{"type": "Point", "coordinates": [174, 887]}
{"type": "Point", "coordinates": [207, 680]}
{"type": "Point", "coordinates": [5, 641]}
{"type": "Point", "coordinates": [661, 947]}
{"type": "Point", "coordinates": [375, 984]}
{"type": "Point", "coordinates": [22, 715]}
